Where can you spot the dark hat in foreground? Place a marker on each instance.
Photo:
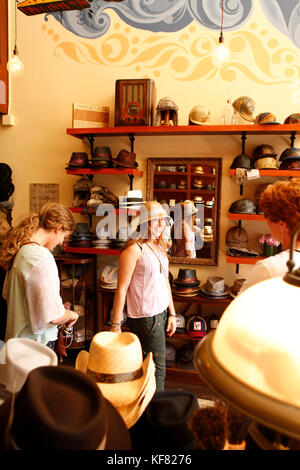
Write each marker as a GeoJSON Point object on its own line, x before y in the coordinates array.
{"type": "Point", "coordinates": [165, 420]}
{"type": "Point", "coordinates": [186, 278]}
{"type": "Point", "coordinates": [60, 408]}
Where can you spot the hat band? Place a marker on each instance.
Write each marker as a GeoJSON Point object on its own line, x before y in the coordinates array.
{"type": "Point", "coordinates": [115, 378]}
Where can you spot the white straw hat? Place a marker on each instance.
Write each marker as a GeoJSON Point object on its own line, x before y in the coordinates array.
{"type": "Point", "coordinates": [154, 210]}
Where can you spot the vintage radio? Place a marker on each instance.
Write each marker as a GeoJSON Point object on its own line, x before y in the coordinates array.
{"type": "Point", "coordinates": [135, 102]}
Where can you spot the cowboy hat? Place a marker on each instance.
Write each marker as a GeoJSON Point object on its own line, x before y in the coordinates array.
{"type": "Point", "coordinates": [60, 408]}
{"type": "Point", "coordinates": [115, 362]}
{"type": "Point", "coordinates": [22, 355]}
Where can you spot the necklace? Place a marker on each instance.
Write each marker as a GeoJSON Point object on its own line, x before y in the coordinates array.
{"type": "Point", "coordinates": [160, 265]}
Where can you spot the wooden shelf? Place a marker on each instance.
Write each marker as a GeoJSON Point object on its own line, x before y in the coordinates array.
{"type": "Point", "coordinates": [180, 375]}
{"type": "Point", "coordinates": [284, 129]}
{"type": "Point", "coordinates": [243, 260]}
{"type": "Point", "coordinates": [91, 250]}
{"type": "Point", "coordinates": [104, 171]}
{"type": "Point", "coordinates": [277, 173]}
{"type": "Point", "coordinates": [256, 217]}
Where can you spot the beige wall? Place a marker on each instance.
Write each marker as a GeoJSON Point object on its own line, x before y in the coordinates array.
{"type": "Point", "coordinates": [61, 68]}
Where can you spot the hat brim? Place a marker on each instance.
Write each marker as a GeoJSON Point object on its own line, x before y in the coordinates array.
{"type": "Point", "coordinates": [129, 398]}
{"type": "Point", "coordinates": [268, 123]}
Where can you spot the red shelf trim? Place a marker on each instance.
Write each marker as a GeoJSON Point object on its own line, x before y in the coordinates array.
{"type": "Point", "coordinates": [246, 216]}
{"type": "Point", "coordinates": [185, 130]}
{"type": "Point", "coordinates": [104, 171]}
{"type": "Point", "coordinates": [278, 173]}
{"type": "Point", "coordinates": [242, 260]}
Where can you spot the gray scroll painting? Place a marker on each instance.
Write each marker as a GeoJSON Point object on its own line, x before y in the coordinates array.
{"type": "Point", "coordinates": [174, 15]}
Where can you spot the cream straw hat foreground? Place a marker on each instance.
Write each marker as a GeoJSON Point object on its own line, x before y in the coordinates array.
{"type": "Point", "coordinates": [115, 362]}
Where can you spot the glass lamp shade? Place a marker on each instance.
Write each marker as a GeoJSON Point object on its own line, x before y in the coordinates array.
{"type": "Point", "coordinates": [221, 54]}
{"type": "Point", "coordinates": [252, 360]}
{"type": "Point", "coordinates": [15, 67]}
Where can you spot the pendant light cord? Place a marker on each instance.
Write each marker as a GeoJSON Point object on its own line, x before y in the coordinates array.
{"type": "Point", "coordinates": [16, 29]}
{"type": "Point", "coordinates": [221, 39]}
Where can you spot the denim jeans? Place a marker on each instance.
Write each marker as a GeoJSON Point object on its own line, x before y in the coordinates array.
{"type": "Point", "coordinates": [151, 332]}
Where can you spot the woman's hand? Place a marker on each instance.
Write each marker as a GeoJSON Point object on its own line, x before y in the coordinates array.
{"type": "Point", "coordinates": [171, 325]}
{"type": "Point", "coordinates": [115, 328]}
{"type": "Point", "coordinates": [73, 317]}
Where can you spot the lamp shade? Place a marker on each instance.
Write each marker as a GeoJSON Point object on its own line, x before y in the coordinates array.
{"type": "Point", "coordinates": [252, 360]}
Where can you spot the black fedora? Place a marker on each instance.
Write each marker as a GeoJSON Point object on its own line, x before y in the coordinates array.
{"type": "Point", "coordinates": [166, 420]}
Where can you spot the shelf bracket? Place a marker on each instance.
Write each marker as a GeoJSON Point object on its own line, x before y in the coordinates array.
{"type": "Point", "coordinates": [293, 137]}
{"type": "Point", "coordinates": [131, 181]}
{"type": "Point", "coordinates": [91, 140]}
{"type": "Point", "coordinates": [131, 139]}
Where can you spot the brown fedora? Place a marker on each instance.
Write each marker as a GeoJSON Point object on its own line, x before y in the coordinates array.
{"type": "Point", "coordinates": [78, 160]}
{"type": "Point", "coordinates": [187, 278]}
{"type": "Point", "coordinates": [125, 159]}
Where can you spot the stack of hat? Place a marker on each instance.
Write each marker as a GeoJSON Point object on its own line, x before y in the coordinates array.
{"type": "Point", "coordinates": [196, 326]}
{"type": "Point", "coordinates": [214, 288]}
{"type": "Point", "coordinates": [181, 168]}
{"type": "Point", "coordinates": [81, 237]}
{"type": "Point", "coordinates": [198, 200]}
{"type": "Point", "coordinates": [133, 200]}
{"type": "Point", "coordinates": [264, 157]}
{"type": "Point", "coordinates": [6, 185]}
{"type": "Point", "coordinates": [102, 240]}
{"type": "Point", "coordinates": [182, 184]}
{"type": "Point", "coordinates": [102, 158]}
{"type": "Point", "coordinates": [186, 284]}
{"type": "Point", "coordinates": [109, 276]}
{"type": "Point", "coordinates": [102, 194]}
{"type": "Point", "coordinates": [78, 160]}
{"type": "Point", "coordinates": [81, 192]}
{"type": "Point", "coordinates": [290, 159]}
{"type": "Point", "coordinates": [207, 234]}
{"type": "Point", "coordinates": [210, 203]}
{"type": "Point", "coordinates": [125, 159]}
{"type": "Point", "coordinates": [197, 183]}
{"type": "Point", "coordinates": [199, 170]}
{"type": "Point", "coordinates": [236, 287]}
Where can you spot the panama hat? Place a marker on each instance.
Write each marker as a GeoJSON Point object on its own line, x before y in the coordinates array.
{"type": "Point", "coordinates": [22, 355]}
{"type": "Point", "coordinates": [153, 210]}
{"type": "Point", "coordinates": [60, 408]}
{"type": "Point", "coordinates": [115, 362]}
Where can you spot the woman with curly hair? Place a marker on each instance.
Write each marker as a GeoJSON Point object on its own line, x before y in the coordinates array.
{"type": "Point", "coordinates": [31, 287]}
{"type": "Point", "coordinates": [280, 203]}
{"type": "Point", "coordinates": [143, 282]}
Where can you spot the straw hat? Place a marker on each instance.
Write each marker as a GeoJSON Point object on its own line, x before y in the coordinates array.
{"type": "Point", "coordinates": [115, 361]}
{"type": "Point", "coordinates": [153, 210]}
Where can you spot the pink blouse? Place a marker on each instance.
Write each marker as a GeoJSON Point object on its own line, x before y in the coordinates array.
{"type": "Point", "coordinates": [148, 292]}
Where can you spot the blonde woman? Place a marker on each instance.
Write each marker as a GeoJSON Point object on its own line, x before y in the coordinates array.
{"type": "Point", "coordinates": [31, 287]}
{"type": "Point", "coordinates": [280, 203]}
{"type": "Point", "coordinates": [143, 283]}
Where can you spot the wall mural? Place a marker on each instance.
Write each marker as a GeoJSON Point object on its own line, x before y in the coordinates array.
{"type": "Point", "coordinates": [186, 50]}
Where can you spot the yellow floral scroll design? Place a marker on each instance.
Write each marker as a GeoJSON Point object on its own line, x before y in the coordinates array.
{"type": "Point", "coordinates": [186, 56]}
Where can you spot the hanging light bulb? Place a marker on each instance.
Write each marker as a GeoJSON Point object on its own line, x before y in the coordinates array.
{"type": "Point", "coordinates": [221, 54]}
{"type": "Point", "coordinates": [14, 66]}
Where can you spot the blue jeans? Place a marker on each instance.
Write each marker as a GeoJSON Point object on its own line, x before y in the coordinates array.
{"type": "Point", "coordinates": [151, 332]}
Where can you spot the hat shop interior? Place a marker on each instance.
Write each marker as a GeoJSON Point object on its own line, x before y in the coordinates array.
{"type": "Point", "coordinates": [200, 126]}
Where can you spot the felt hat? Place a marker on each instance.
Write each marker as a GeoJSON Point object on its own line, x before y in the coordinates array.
{"type": "Point", "coordinates": [241, 161]}
{"type": "Point", "coordinates": [199, 115]}
{"type": "Point", "coordinates": [243, 206]}
{"type": "Point", "coordinates": [78, 160]}
{"type": "Point", "coordinates": [166, 421]}
{"type": "Point", "coordinates": [236, 236]}
{"type": "Point", "coordinates": [262, 151]}
{"type": "Point", "coordinates": [236, 287]}
{"type": "Point", "coordinates": [22, 355]}
{"type": "Point", "coordinates": [60, 408]}
{"type": "Point", "coordinates": [214, 287]}
{"type": "Point", "coordinates": [115, 362]}
{"type": "Point", "coordinates": [292, 119]}
{"type": "Point", "coordinates": [125, 159]}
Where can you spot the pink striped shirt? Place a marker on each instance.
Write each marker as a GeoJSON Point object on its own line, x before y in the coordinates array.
{"type": "Point", "coordinates": [148, 292]}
